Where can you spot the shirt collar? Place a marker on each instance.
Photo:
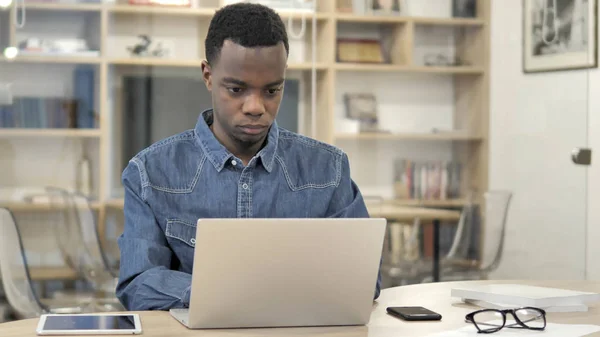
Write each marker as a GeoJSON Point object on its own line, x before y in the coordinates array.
{"type": "Point", "coordinates": [218, 155]}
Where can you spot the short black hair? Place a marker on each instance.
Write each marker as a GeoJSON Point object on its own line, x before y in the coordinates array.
{"type": "Point", "coordinates": [249, 25]}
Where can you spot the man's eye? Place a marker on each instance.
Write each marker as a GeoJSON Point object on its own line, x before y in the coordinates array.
{"type": "Point", "coordinates": [273, 91]}
{"type": "Point", "coordinates": [235, 90]}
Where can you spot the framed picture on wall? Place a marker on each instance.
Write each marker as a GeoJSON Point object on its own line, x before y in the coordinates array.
{"type": "Point", "coordinates": [559, 35]}
{"type": "Point", "coordinates": [464, 8]}
{"type": "Point", "coordinates": [384, 7]}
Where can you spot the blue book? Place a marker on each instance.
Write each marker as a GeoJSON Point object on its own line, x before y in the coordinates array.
{"type": "Point", "coordinates": [84, 95]}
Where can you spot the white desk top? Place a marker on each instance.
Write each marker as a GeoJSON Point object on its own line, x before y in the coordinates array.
{"type": "Point", "coordinates": [434, 296]}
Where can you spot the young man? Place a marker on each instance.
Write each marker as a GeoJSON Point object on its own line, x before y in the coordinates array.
{"type": "Point", "coordinates": [236, 162]}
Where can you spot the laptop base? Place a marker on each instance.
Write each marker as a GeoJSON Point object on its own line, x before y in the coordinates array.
{"type": "Point", "coordinates": [182, 315]}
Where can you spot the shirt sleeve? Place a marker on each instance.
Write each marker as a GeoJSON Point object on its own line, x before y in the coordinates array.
{"type": "Point", "coordinates": [146, 281]}
{"type": "Point", "coordinates": [347, 202]}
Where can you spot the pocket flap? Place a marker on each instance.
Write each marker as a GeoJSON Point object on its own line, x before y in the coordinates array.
{"type": "Point", "coordinates": [181, 230]}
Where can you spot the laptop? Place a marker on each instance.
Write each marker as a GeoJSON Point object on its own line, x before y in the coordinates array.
{"type": "Point", "coordinates": [251, 273]}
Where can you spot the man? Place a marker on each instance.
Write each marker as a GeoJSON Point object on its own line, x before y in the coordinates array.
{"type": "Point", "coordinates": [236, 162]}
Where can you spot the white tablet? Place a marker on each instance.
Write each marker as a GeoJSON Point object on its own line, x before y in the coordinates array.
{"type": "Point", "coordinates": [90, 324]}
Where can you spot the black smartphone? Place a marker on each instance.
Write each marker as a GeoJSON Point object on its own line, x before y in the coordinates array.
{"type": "Point", "coordinates": [414, 313]}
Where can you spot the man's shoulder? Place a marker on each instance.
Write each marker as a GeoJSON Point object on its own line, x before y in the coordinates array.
{"type": "Point", "coordinates": [294, 144]}
{"type": "Point", "coordinates": [169, 164]}
{"type": "Point", "coordinates": [183, 141]}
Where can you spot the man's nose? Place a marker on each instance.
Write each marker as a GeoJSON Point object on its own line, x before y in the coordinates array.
{"type": "Point", "coordinates": [254, 105]}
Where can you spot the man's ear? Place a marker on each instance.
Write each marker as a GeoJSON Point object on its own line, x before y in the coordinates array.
{"type": "Point", "coordinates": [207, 75]}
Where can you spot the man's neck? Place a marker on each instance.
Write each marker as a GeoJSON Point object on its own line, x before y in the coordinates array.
{"type": "Point", "coordinates": [244, 153]}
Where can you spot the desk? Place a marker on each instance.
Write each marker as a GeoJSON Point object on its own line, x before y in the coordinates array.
{"type": "Point", "coordinates": [403, 213]}
{"type": "Point", "coordinates": [434, 296]}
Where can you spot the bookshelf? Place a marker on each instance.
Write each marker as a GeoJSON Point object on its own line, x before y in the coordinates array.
{"type": "Point", "coordinates": [113, 26]}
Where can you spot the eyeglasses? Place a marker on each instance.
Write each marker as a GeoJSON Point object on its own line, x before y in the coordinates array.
{"type": "Point", "coordinates": [492, 320]}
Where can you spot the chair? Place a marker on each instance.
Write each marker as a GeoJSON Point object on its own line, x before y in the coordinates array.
{"type": "Point", "coordinates": [15, 274]}
{"type": "Point", "coordinates": [459, 264]}
{"type": "Point", "coordinates": [79, 238]}
{"type": "Point", "coordinates": [401, 254]}
{"type": "Point", "coordinates": [400, 251]}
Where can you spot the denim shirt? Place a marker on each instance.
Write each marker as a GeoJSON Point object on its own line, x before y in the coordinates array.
{"type": "Point", "coordinates": [176, 181]}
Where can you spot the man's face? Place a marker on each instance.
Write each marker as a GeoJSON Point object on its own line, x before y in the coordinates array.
{"type": "Point", "coordinates": [247, 87]}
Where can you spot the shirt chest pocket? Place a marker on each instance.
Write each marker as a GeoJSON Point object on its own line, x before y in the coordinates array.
{"type": "Point", "coordinates": [182, 237]}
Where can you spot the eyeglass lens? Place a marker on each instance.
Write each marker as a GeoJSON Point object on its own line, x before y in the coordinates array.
{"type": "Point", "coordinates": [530, 317]}
{"type": "Point", "coordinates": [489, 320]}
{"type": "Point", "coordinates": [493, 320]}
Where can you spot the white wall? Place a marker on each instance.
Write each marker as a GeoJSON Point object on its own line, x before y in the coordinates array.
{"type": "Point", "coordinates": [593, 218]}
{"type": "Point", "coordinates": [536, 119]}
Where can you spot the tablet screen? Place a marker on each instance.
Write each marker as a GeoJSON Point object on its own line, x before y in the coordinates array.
{"type": "Point", "coordinates": [90, 322]}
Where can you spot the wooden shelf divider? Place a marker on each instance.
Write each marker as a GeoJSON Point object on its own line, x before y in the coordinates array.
{"type": "Point", "coordinates": [442, 136]}
{"type": "Point", "coordinates": [33, 132]}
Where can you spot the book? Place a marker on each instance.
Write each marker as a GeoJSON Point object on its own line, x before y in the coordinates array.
{"type": "Point", "coordinates": [39, 112]}
{"type": "Point", "coordinates": [523, 295]}
{"type": "Point", "coordinates": [554, 308]}
{"type": "Point", "coordinates": [426, 180]}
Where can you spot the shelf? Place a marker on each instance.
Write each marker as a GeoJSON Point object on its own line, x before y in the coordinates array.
{"type": "Point", "coordinates": [52, 273]}
{"type": "Point", "coordinates": [306, 66]}
{"type": "Point", "coordinates": [295, 15]}
{"type": "Point", "coordinates": [161, 10]}
{"type": "Point", "coordinates": [406, 213]}
{"type": "Point", "coordinates": [167, 62]}
{"type": "Point", "coordinates": [49, 6]}
{"type": "Point", "coordinates": [430, 203]}
{"type": "Point", "coordinates": [407, 69]}
{"type": "Point", "coordinates": [447, 70]}
{"type": "Point", "coordinates": [448, 21]}
{"type": "Point", "coordinates": [155, 62]}
{"type": "Point", "coordinates": [32, 132]}
{"type": "Point", "coordinates": [442, 136]}
{"type": "Point", "coordinates": [377, 19]}
{"type": "Point", "coordinates": [29, 207]}
{"type": "Point", "coordinates": [117, 203]}
{"type": "Point", "coordinates": [60, 59]}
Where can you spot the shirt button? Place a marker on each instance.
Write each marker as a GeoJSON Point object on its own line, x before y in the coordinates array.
{"type": "Point", "coordinates": [233, 162]}
{"type": "Point", "coordinates": [245, 186]}
{"type": "Point", "coordinates": [193, 241]}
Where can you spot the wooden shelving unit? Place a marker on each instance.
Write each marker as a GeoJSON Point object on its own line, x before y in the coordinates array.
{"type": "Point", "coordinates": [471, 82]}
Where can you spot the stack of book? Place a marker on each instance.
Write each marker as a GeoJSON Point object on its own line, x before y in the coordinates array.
{"type": "Point", "coordinates": [76, 111]}
{"type": "Point", "coordinates": [37, 112]}
{"type": "Point", "coordinates": [512, 296]}
{"type": "Point", "coordinates": [427, 180]}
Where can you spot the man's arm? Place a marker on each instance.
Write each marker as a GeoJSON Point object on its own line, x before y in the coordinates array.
{"type": "Point", "coordinates": [145, 279]}
{"type": "Point", "coordinates": [347, 202]}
